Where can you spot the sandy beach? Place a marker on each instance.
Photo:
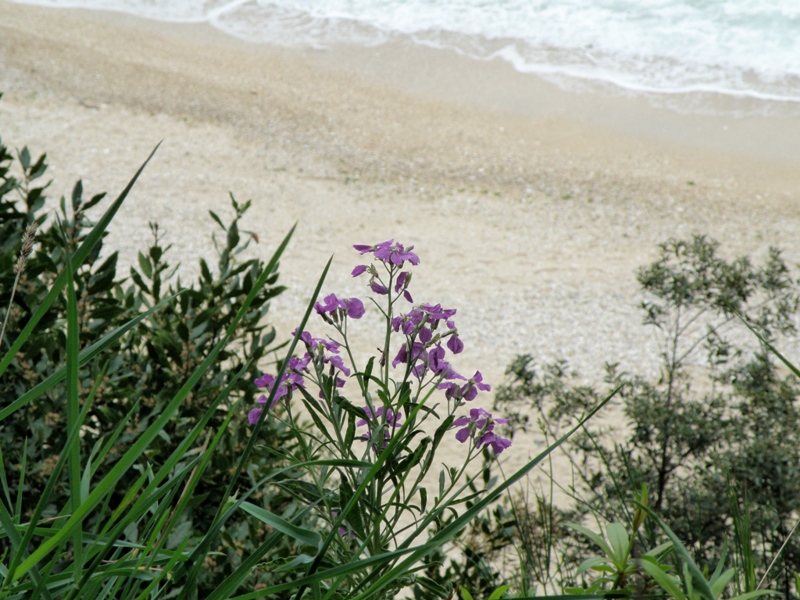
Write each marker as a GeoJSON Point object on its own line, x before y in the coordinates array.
{"type": "Point", "coordinates": [530, 207]}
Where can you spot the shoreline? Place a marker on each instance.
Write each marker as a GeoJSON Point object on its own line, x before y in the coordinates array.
{"type": "Point", "coordinates": [531, 223]}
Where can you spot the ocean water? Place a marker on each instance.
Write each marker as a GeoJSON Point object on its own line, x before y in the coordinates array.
{"type": "Point", "coordinates": [743, 49]}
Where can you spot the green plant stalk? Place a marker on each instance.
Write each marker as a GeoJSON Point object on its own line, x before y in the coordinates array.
{"type": "Point", "coordinates": [73, 406]}
{"type": "Point", "coordinates": [10, 305]}
{"type": "Point", "coordinates": [358, 492]}
{"type": "Point", "coordinates": [449, 531]}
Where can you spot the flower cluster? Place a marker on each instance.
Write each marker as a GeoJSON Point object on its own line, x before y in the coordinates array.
{"type": "Point", "coordinates": [479, 426]}
{"type": "Point", "coordinates": [393, 256]}
{"type": "Point", "coordinates": [428, 333]}
{"type": "Point", "coordinates": [292, 379]}
{"type": "Point", "coordinates": [390, 253]}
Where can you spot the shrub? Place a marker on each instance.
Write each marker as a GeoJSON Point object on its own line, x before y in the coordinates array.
{"type": "Point", "coordinates": [721, 415]}
{"type": "Point", "coordinates": [141, 372]}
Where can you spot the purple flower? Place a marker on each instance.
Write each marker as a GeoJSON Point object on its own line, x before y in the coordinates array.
{"type": "Point", "coordinates": [480, 426]}
{"type": "Point", "coordinates": [418, 353]}
{"type": "Point", "coordinates": [342, 530]}
{"type": "Point", "coordinates": [474, 384]}
{"type": "Point", "coordinates": [253, 416]}
{"type": "Point", "coordinates": [352, 307]}
{"type": "Point", "coordinates": [390, 253]}
{"type": "Point", "coordinates": [468, 391]}
{"type": "Point", "coordinates": [401, 279]}
{"type": "Point", "coordinates": [426, 314]}
{"type": "Point", "coordinates": [363, 248]}
{"type": "Point", "coordinates": [358, 270]}
{"type": "Point", "coordinates": [392, 418]}
{"type": "Point", "coordinates": [291, 380]}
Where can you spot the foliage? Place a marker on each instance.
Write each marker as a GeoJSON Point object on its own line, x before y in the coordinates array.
{"type": "Point", "coordinates": [720, 417]}
{"type": "Point", "coordinates": [380, 424]}
{"type": "Point", "coordinates": [130, 480]}
{"type": "Point", "coordinates": [141, 372]}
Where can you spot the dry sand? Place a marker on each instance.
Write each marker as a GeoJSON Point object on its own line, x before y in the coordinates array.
{"type": "Point", "coordinates": [530, 207]}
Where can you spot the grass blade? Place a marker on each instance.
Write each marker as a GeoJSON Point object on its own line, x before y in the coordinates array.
{"type": "Point", "coordinates": [73, 404]}
{"type": "Point", "coordinates": [306, 536]}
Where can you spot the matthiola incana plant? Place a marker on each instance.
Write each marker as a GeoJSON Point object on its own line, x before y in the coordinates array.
{"type": "Point", "coordinates": [379, 424]}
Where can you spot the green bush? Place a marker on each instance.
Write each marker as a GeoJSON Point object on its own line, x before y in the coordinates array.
{"type": "Point", "coordinates": [716, 431]}
{"type": "Point", "coordinates": [143, 371]}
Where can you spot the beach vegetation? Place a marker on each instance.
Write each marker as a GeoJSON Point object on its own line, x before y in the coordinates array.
{"type": "Point", "coordinates": [159, 441]}
{"type": "Point", "coordinates": [711, 436]}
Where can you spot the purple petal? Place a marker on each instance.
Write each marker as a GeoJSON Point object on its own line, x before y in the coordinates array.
{"type": "Point", "coordinates": [455, 344]}
{"type": "Point", "coordinates": [378, 288]}
{"type": "Point", "coordinates": [358, 270]}
{"type": "Point", "coordinates": [265, 380]}
{"type": "Point", "coordinates": [462, 434]}
{"type": "Point", "coordinates": [355, 308]}
{"type": "Point", "coordinates": [336, 361]}
{"type": "Point", "coordinates": [402, 356]}
{"type": "Point", "coordinates": [253, 416]}
{"type": "Point", "coordinates": [401, 279]}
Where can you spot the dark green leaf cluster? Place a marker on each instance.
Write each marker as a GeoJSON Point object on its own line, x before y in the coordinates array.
{"type": "Point", "coordinates": [145, 369]}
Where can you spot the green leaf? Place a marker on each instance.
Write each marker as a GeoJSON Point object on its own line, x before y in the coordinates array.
{"type": "Point", "coordinates": [73, 409]}
{"type": "Point", "coordinates": [590, 563]}
{"type": "Point", "coordinates": [697, 578]}
{"type": "Point", "coordinates": [433, 587]}
{"type": "Point", "coordinates": [25, 158]}
{"type": "Point", "coordinates": [499, 592]}
{"type": "Point", "coordinates": [306, 536]}
{"type": "Point", "coordinates": [595, 537]}
{"type": "Point", "coordinates": [620, 544]}
{"type": "Point", "coordinates": [145, 266]}
{"type": "Point", "coordinates": [77, 193]}
{"type": "Point", "coordinates": [755, 594]}
{"type": "Point", "coordinates": [665, 580]}
{"type": "Point", "coordinates": [233, 236]}
{"type": "Point", "coordinates": [720, 582]}
{"type": "Point", "coordinates": [216, 218]}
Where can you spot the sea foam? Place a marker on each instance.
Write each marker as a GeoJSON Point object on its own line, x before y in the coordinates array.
{"type": "Point", "coordinates": [737, 48]}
